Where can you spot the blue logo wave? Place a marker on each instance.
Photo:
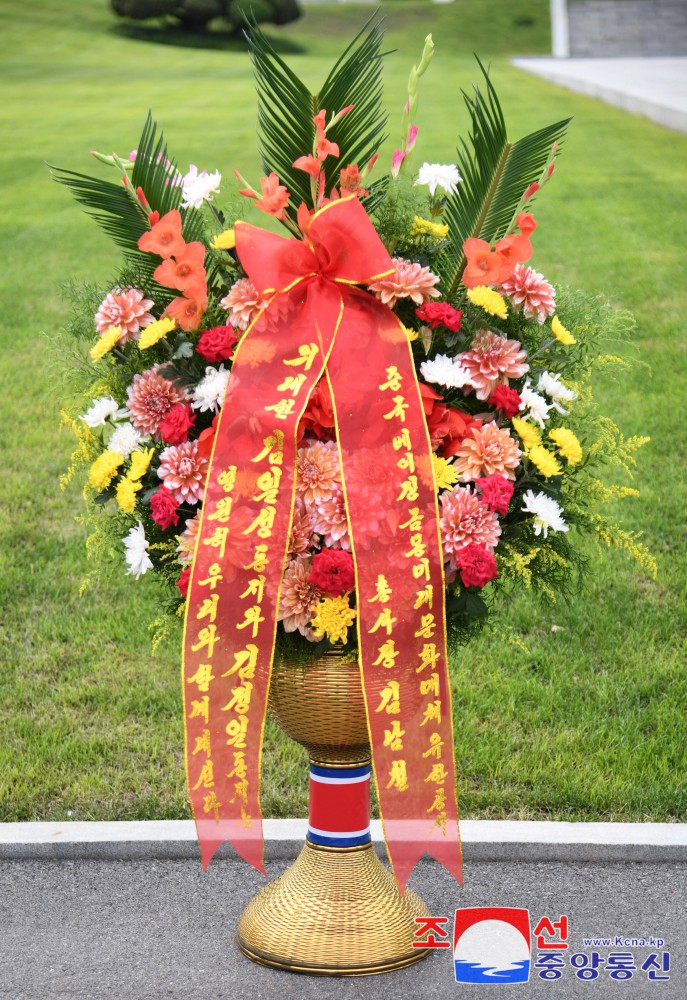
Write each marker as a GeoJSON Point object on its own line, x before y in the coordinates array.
{"type": "Point", "coordinates": [475, 972]}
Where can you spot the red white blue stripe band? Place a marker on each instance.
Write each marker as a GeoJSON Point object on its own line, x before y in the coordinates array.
{"type": "Point", "coordinates": [339, 806]}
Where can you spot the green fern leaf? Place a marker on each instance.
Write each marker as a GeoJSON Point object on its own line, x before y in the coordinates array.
{"type": "Point", "coordinates": [495, 172]}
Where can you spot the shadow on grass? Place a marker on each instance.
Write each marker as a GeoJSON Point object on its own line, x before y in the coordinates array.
{"type": "Point", "coordinates": [185, 38]}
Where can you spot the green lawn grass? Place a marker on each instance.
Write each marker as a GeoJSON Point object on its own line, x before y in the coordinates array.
{"type": "Point", "coordinates": [589, 722]}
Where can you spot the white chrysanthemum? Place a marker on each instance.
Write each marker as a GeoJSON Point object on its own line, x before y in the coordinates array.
{"type": "Point", "coordinates": [199, 187]}
{"type": "Point", "coordinates": [443, 370]}
{"type": "Point", "coordinates": [103, 409]}
{"type": "Point", "coordinates": [125, 439]}
{"type": "Point", "coordinates": [547, 513]}
{"type": "Point", "coordinates": [136, 552]}
{"type": "Point", "coordinates": [443, 175]}
{"type": "Point", "coordinates": [533, 406]}
{"type": "Point", "coordinates": [209, 393]}
{"type": "Point", "coordinates": [556, 391]}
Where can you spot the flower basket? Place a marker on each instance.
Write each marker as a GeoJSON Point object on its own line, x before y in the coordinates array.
{"type": "Point", "coordinates": [337, 448]}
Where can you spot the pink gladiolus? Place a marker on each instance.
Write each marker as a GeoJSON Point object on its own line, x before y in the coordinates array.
{"type": "Point", "coordinates": [396, 161]}
{"type": "Point", "coordinates": [412, 136]}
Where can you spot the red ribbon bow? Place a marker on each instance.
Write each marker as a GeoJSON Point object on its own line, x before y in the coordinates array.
{"type": "Point", "coordinates": [319, 324]}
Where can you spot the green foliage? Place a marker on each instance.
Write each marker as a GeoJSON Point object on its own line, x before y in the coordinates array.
{"type": "Point", "coordinates": [495, 173]}
{"type": "Point", "coordinates": [286, 109]}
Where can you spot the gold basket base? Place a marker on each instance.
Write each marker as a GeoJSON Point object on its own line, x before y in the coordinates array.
{"type": "Point", "coordinates": [335, 912]}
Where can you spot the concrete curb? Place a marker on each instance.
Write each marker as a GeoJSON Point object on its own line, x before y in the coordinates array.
{"type": "Point", "coordinates": [483, 840]}
{"type": "Point", "coordinates": [653, 87]}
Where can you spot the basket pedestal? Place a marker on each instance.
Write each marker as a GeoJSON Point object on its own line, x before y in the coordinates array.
{"type": "Point", "coordinates": [336, 911]}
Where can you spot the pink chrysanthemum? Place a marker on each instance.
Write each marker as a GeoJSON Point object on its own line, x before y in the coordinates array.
{"type": "Point", "coordinates": [182, 470]}
{"type": "Point", "coordinates": [187, 541]}
{"type": "Point", "coordinates": [298, 597]}
{"type": "Point", "coordinates": [491, 361]}
{"type": "Point", "coordinates": [301, 530]}
{"type": "Point", "coordinates": [317, 473]}
{"type": "Point", "coordinates": [329, 520]}
{"type": "Point", "coordinates": [409, 281]}
{"type": "Point", "coordinates": [243, 303]}
{"type": "Point", "coordinates": [125, 307]}
{"type": "Point", "coordinates": [150, 397]}
{"type": "Point", "coordinates": [530, 291]}
{"type": "Point", "coordinates": [489, 451]}
{"type": "Point", "coordinates": [465, 520]}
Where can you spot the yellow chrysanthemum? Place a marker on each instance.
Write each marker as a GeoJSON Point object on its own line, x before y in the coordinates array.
{"type": "Point", "coordinates": [528, 434]}
{"type": "Point", "coordinates": [156, 331]}
{"type": "Point", "coordinates": [568, 445]}
{"type": "Point", "coordinates": [545, 461]}
{"type": "Point", "coordinates": [445, 475]}
{"type": "Point", "coordinates": [333, 617]}
{"type": "Point", "coordinates": [560, 333]}
{"type": "Point", "coordinates": [126, 495]}
{"type": "Point", "coordinates": [106, 342]}
{"type": "Point", "coordinates": [224, 241]}
{"type": "Point", "coordinates": [410, 333]}
{"type": "Point", "coordinates": [104, 469]}
{"type": "Point", "coordinates": [489, 300]}
{"type": "Point", "coordinates": [140, 460]}
{"type": "Point", "coordinates": [423, 227]}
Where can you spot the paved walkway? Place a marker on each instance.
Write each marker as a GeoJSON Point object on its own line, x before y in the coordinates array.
{"type": "Point", "coordinates": [653, 87]}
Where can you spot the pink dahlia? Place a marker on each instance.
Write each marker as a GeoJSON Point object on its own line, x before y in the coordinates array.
{"type": "Point", "coordinates": [465, 520]}
{"type": "Point", "coordinates": [150, 397]}
{"type": "Point", "coordinates": [187, 541]}
{"type": "Point", "coordinates": [299, 597]}
{"type": "Point", "coordinates": [409, 281]}
{"type": "Point", "coordinates": [489, 451]}
{"type": "Point", "coordinates": [301, 530]}
{"type": "Point", "coordinates": [243, 302]}
{"type": "Point", "coordinates": [328, 518]}
{"type": "Point", "coordinates": [182, 471]}
{"type": "Point", "coordinates": [530, 291]}
{"type": "Point", "coordinates": [317, 471]}
{"type": "Point", "coordinates": [125, 307]}
{"type": "Point", "coordinates": [491, 361]}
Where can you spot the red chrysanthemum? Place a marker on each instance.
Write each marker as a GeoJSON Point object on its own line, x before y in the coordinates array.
{"type": "Point", "coordinates": [476, 565]}
{"type": "Point", "coordinates": [332, 572]}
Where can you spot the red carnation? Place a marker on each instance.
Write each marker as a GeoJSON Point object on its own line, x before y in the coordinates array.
{"type": "Point", "coordinates": [332, 572]}
{"type": "Point", "coordinates": [476, 565]}
{"type": "Point", "coordinates": [439, 314]}
{"type": "Point", "coordinates": [183, 581]}
{"type": "Point", "coordinates": [177, 423]}
{"type": "Point", "coordinates": [163, 508]}
{"type": "Point", "coordinates": [497, 492]}
{"type": "Point", "coordinates": [217, 343]}
{"type": "Point", "coordinates": [505, 399]}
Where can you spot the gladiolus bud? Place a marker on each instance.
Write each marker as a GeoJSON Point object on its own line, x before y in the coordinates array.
{"type": "Point", "coordinates": [532, 189]}
{"type": "Point", "coordinates": [412, 136]}
{"type": "Point", "coordinates": [427, 54]}
{"type": "Point", "coordinates": [396, 161]}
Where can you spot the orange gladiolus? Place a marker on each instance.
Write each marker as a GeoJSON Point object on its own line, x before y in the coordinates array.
{"type": "Point", "coordinates": [165, 237]}
{"type": "Point", "coordinates": [187, 312]}
{"type": "Point", "coordinates": [309, 163]}
{"type": "Point", "coordinates": [275, 197]}
{"type": "Point", "coordinates": [484, 266]}
{"type": "Point", "coordinates": [186, 272]}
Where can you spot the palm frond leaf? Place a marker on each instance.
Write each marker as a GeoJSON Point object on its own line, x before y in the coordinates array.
{"type": "Point", "coordinates": [286, 109]}
{"type": "Point", "coordinates": [495, 172]}
{"type": "Point", "coordinates": [119, 215]}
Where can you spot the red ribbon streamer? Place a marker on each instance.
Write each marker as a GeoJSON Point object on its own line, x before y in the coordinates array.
{"type": "Point", "coordinates": [317, 322]}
